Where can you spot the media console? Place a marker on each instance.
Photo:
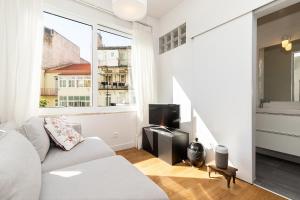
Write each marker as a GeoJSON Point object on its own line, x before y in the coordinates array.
{"type": "Point", "coordinates": [170, 146]}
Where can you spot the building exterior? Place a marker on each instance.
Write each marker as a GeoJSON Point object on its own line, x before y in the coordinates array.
{"type": "Point", "coordinates": [67, 78]}
{"type": "Point", "coordinates": [68, 86]}
{"type": "Point", "coordinates": [114, 69]}
{"type": "Point", "coordinates": [58, 50]}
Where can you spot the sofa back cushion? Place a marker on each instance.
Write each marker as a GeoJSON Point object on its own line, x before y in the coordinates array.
{"type": "Point", "coordinates": [35, 132]}
{"type": "Point", "coordinates": [20, 168]}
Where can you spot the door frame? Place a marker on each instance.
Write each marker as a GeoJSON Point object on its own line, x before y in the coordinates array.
{"type": "Point", "coordinates": [258, 13]}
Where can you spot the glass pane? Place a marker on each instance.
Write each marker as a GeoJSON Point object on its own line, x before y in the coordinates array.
{"type": "Point", "coordinates": [66, 64]}
{"type": "Point", "coordinates": [114, 70]}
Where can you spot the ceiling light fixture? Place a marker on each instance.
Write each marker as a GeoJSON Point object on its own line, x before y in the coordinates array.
{"type": "Point", "coordinates": [130, 10]}
{"type": "Point", "coordinates": [286, 43]}
{"type": "Point", "coordinates": [289, 46]}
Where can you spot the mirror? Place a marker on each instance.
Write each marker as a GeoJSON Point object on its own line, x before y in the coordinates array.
{"type": "Point", "coordinates": [280, 80]}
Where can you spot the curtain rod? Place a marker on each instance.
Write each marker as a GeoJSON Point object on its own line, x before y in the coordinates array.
{"type": "Point", "coordinates": [105, 11]}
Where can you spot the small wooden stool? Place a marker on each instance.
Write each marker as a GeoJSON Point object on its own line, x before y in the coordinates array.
{"type": "Point", "coordinates": [228, 173]}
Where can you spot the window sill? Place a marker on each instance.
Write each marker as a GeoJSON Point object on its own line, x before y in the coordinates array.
{"type": "Point", "coordinates": [86, 111]}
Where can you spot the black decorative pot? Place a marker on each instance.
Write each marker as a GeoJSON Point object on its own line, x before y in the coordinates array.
{"type": "Point", "coordinates": [196, 153]}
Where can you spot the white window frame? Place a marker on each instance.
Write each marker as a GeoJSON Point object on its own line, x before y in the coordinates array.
{"type": "Point", "coordinates": [93, 109]}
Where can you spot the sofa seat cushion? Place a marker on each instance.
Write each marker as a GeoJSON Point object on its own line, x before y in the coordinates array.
{"type": "Point", "coordinates": [90, 149]}
{"type": "Point", "coordinates": [20, 168]}
{"type": "Point", "coordinates": [107, 178]}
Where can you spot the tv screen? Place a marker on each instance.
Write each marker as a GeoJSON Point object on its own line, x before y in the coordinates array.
{"type": "Point", "coordinates": [167, 115]}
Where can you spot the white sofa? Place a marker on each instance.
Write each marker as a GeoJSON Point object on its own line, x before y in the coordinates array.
{"type": "Point", "coordinates": [90, 170]}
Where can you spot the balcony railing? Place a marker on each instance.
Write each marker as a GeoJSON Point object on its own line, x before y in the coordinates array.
{"type": "Point", "coordinates": [49, 91]}
{"type": "Point", "coordinates": [112, 86]}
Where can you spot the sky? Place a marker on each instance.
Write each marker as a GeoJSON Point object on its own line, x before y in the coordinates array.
{"type": "Point", "coordinates": [81, 34]}
{"type": "Point", "coordinates": [114, 40]}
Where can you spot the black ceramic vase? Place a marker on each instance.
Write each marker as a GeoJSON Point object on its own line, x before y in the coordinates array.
{"type": "Point", "coordinates": [196, 153]}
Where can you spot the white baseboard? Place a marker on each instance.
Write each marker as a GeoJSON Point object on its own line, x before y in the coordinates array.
{"type": "Point", "coordinates": [123, 146]}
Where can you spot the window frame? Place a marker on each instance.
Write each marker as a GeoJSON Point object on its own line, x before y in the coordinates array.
{"type": "Point", "coordinates": [95, 25]}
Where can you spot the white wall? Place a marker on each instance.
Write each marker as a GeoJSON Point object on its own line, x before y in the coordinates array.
{"type": "Point", "coordinates": [202, 15]}
{"type": "Point", "coordinates": [73, 10]}
{"type": "Point", "coordinates": [213, 13]}
{"type": "Point", "coordinates": [224, 84]}
{"type": "Point", "coordinates": [212, 76]}
{"type": "Point", "coordinates": [117, 129]}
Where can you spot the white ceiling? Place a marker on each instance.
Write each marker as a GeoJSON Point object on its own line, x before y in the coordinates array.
{"type": "Point", "coordinates": [156, 8]}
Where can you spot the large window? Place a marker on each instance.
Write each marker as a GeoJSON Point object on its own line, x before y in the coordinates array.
{"type": "Point", "coordinates": [114, 69]}
{"type": "Point", "coordinates": [66, 65]}
{"type": "Point", "coordinates": [68, 68]}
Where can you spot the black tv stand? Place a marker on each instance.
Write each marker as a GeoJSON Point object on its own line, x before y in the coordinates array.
{"type": "Point", "coordinates": [160, 128]}
{"type": "Point", "coordinates": [170, 146]}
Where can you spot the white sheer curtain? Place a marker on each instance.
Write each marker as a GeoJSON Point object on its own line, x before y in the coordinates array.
{"type": "Point", "coordinates": [20, 59]}
{"type": "Point", "coordinates": [143, 74]}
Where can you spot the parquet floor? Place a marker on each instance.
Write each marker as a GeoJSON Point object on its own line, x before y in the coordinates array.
{"type": "Point", "coordinates": [184, 182]}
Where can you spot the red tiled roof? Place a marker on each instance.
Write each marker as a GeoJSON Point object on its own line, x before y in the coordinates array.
{"type": "Point", "coordinates": [73, 69]}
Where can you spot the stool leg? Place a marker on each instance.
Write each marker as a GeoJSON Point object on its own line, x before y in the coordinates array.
{"type": "Point", "coordinates": [208, 170]}
{"type": "Point", "coordinates": [233, 179]}
{"type": "Point", "coordinates": [228, 178]}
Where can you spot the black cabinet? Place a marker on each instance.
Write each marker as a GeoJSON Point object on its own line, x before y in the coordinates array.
{"type": "Point", "coordinates": [150, 141]}
{"type": "Point", "coordinates": [170, 146]}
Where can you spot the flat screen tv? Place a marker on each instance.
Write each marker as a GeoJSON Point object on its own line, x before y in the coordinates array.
{"type": "Point", "coordinates": [166, 115]}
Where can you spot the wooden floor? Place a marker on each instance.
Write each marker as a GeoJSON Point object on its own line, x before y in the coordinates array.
{"type": "Point", "coordinates": [185, 182]}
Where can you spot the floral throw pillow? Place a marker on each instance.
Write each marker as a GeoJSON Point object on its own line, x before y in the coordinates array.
{"type": "Point", "coordinates": [62, 134]}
